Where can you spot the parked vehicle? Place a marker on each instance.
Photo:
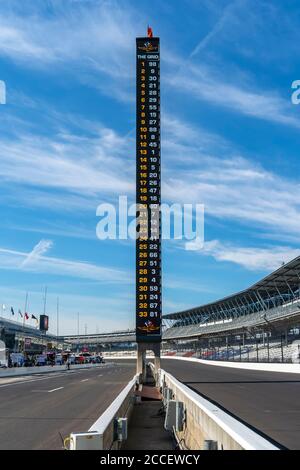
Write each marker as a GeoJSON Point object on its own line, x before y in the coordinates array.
{"type": "Point", "coordinates": [59, 360]}
{"type": "Point", "coordinates": [41, 360]}
{"type": "Point", "coordinates": [17, 359]}
{"type": "Point", "coordinates": [97, 360]}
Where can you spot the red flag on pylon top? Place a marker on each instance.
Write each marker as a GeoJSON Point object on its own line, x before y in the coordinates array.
{"type": "Point", "coordinates": [149, 32]}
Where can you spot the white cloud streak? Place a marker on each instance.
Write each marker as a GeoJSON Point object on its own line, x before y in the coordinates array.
{"type": "Point", "coordinates": [40, 249]}
{"type": "Point", "coordinates": [80, 164]}
{"type": "Point", "coordinates": [231, 187]}
{"type": "Point", "coordinates": [251, 258]}
{"type": "Point", "coordinates": [199, 167]}
{"type": "Point", "coordinates": [99, 37]}
{"type": "Point", "coordinates": [219, 25]}
{"type": "Point", "coordinates": [13, 260]}
{"type": "Point", "coordinates": [205, 84]}
{"type": "Point", "coordinates": [95, 37]}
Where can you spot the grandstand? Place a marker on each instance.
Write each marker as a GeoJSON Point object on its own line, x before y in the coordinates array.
{"type": "Point", "coordinates": [124, 340]}
{"type": "Point", "coordinates": [268, 310]}
{"type": "Point", "coordinates": [261, 323]}
{"type": "Point", "coordinates": [13, 333]}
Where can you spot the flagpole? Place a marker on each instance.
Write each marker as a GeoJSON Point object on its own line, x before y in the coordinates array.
{"type": "Point", "coordinates": [45, 303]}
{"type": "Point", "coordinates": [78, 331]}
{"type": "Point", "coordinates": [45, 300]}
{"type": "Point", "coordinates": [24, 316]}
{"type": "Point", "coordinates": [57, 317]}
{"type": "Point", "coordinates": [25, 308]}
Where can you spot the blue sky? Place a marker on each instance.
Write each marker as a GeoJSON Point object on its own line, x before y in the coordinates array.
{"type": "Point", "coordinates": [230, 140]}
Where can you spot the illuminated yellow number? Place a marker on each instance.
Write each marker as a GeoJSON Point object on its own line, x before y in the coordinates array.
{"type": "Point", "coordinates": [142, 305]}
{"type": "Point", "coordinates": [143, 314]}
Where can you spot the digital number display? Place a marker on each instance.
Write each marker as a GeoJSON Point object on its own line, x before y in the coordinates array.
{"type": "Point", "coordinates": [148, 244]}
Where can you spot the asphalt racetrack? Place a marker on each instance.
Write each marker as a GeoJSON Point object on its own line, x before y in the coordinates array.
{"type": "Point", "coordinates": [267, 401]}
{"type": "Point", "coordinates": [36, 410]}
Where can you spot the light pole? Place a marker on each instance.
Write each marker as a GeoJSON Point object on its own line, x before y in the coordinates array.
{"type": "Point", "coordinates": [57, 320]}
{"type": "Point", "coordinates": [78, 331]}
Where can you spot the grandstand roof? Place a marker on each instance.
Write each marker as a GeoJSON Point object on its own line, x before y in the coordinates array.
{"type": "Point", "coordinates": [284, 280]}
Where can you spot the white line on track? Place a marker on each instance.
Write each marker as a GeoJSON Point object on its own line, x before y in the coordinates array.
{"type": "Point", "coordinates": [39, 379]}
{"type": "Point", "coordinates": [100, 375]}
{"type": "Point", "coordinates": [54, 389]}
{"type": "Point", "coordinates": [84, 380]}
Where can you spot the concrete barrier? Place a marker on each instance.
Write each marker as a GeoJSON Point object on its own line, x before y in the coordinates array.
{"type": "Point", "coordinates": [204, 422]}
{"type": "Point", "coordinates": [20, 371]}
{"type": "Point", "coordinates": [263, 366]}
{"type": "Point", "coordinates": [101, 435]}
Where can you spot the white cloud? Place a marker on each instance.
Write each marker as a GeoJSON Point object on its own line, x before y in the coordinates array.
{"type": "Point", "coordinates": [206, 84]}
{"type": "Point", "coordinates": [252, 258]}
{"type": "Point", "coordinates": [97, 38]}
{"type": "Point", "coordinates": [14, 260]}
{"type": "Point", "coordinates": [199, 167]}
{"type": "Point", "coordinates": [223, 19]}
{"type": "Point", "coordinates": [100, 37]}
{"type": "Point", "coordinates": [85, 165]}
{"type": "Point", "coordinates": [40, 249]}
{"type": "Point", "coordinates": [231, 187]}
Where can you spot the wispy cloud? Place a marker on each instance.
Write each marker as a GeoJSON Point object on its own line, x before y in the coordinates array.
{"type": "Point", "coordinates": [230, 185]}
{"type": "Point", "coordinates": [40, 249]}
{"type": "Point", "coordinates": [100, 36]}
{"type": "Point", "coordinates": [97, 35]}
{"type": "Point", "coordinates": [218, 26]}
{"type": "Point", "coordinates": [14, 260]}
{"type": "Point", "coordinates": [252, 258]}
{"type": "Point", "coordinates": [199, 167]}
{"type": "Point", "coordinates": [84, 165]}
{"type": "Point", "coordinates": [205, 83]}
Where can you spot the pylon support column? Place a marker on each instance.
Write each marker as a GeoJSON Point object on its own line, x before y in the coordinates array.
{"type": "Point", "coordinates": [142, 349]}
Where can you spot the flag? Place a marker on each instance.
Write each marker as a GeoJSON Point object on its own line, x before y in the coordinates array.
{"type": "Point", "coordinates": [26, 316]}
{"type": "Point", "coordinates": [149, 32]}
{"type": "Point", "coordinates": [12, 311]}
{"type": "Point", "coordinates": [20, 313]}
{"type": "Point", "coordinates": [3, 307]}
{"type": "Point", "coordinates": [33, 317]}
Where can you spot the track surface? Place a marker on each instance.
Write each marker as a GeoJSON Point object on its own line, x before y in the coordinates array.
{"type": "Point", "coordinates": [267, 401]}
{"type": "Point", "coordinates": [34, 410]}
